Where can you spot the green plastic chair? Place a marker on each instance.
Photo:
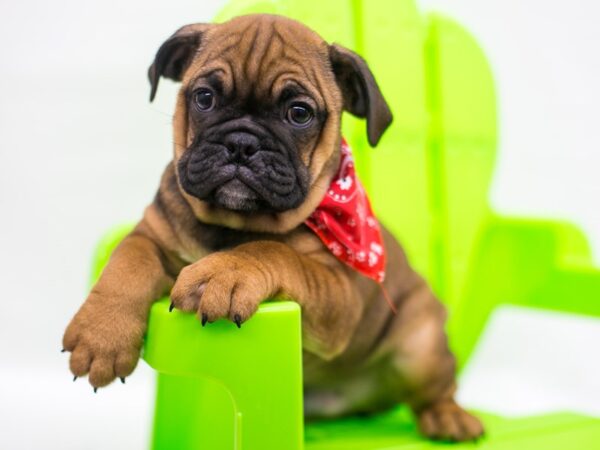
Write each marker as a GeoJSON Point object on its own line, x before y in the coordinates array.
{"type": "Point", "coordinates": [222, 388]}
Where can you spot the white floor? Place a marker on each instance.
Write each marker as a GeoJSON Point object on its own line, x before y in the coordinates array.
{"type": "Point", "coordinates": [528, 362]}
{"type": "Point", "coordinates": [531, 361]}
{"type": "Point", "coordinates": [45, 410]}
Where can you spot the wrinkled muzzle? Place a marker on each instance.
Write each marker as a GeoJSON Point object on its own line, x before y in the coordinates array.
{"type": "Point", "coordinates": [243, 172]}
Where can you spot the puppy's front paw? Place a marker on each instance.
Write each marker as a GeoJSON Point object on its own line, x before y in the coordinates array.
{"type": "Point", "coordinates": [222, 285]}
{"type": "Point", "coordinates": [104, 343]}
{"type": "Point", "coordinates": [448, 421]}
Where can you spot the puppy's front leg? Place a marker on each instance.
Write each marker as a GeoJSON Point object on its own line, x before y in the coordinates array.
{"type": "Point", "coordinates": [232, 284]}
{"type": "Point", "coordinates": [106, 334]}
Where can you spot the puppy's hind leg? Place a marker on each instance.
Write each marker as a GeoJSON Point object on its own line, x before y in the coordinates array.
{"type": "Point", "coordinates": [427, 370]}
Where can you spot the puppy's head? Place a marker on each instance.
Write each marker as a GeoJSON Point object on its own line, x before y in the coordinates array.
{"type": "Point", "coordinates": [257, 122]}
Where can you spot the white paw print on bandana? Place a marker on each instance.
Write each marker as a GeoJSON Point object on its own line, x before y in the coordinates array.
{"type": "Point", "coordinates": [373, 259]}
{"type": "Point", "coordinates": [344, 183]}
{"type": "Point", "coordinates": [335, 248]}
{"type": "Point", "coordinates": [375, 247]}
{"type": "Point", "coordinates": [361, 256]}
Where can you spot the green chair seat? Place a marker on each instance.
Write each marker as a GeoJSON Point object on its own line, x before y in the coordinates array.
{"type": "Point", "coordinates": [223, 388]}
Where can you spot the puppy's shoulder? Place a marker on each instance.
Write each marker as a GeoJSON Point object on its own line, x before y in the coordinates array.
{"type": "Point", "coordinates": [304, 241]}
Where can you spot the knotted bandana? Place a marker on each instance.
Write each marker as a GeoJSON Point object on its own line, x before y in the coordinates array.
{"type": "Point", "coordinates": [345, 222]}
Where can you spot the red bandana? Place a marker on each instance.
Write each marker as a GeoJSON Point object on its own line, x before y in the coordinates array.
{"type": "Point", "coordinates": [346, 224]}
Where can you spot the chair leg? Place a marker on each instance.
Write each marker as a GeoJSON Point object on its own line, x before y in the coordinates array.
{"type": "Point", "coordinates": [193, 413]}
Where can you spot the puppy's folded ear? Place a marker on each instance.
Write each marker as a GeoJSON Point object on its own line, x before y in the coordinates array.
{"type": "Point", "coordinates": [362, 96]}
{"type": "Point", "coordinates": [175, 55]}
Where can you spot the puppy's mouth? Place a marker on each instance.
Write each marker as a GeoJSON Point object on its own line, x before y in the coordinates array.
{"type": "Point", "coordinates": [246, 176]}
{"type": "Point", "coordinates": [236, 196]}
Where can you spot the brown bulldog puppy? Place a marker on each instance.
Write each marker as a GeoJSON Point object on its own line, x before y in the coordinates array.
{"type": "Point", "coordinates": [257, 142]}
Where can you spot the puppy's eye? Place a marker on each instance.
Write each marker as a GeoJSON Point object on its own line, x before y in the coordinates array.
{"type": "Point", "coordinates": [204, 99]}
{"type": "Point", "coordinates": [299, 114]}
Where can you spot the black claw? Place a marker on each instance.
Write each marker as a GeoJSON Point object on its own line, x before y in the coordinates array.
{"type": "Point", "coordinates": [75, 378]}
{"type": "Point", "coordinates": [95, 390]}
{"type": "Point", "coordinates": [204, 319]}
{"type": "Point", "coordinates": [122, 379]}
{"type": "Point", "coordinates": [171, 306]}
{"type": "Point", "coordinates": [63, 350]}
{"type": "Point", "coordinates": [238, 320]}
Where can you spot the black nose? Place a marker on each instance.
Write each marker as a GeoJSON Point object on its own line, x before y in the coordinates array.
{"type": "Point", "coordinates": [242, 144]}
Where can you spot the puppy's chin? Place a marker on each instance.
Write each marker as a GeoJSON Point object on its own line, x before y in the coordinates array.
{"type": "Point", "coordinates": [234, 195]}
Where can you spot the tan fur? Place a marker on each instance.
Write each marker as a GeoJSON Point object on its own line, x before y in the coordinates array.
{"type": "Point", "coordinates": [223, 46]}
{"type": "Point", "coordinates": [359, 357]}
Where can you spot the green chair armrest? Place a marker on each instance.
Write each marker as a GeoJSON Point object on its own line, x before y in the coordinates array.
{"type": "Point", "coordinates": [525, 262]}
{"type": "Point", "coordinates": [243, 387]}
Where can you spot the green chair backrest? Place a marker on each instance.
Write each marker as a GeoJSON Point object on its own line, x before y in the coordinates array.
{"type": "Point", "coordinates": [429, 176]}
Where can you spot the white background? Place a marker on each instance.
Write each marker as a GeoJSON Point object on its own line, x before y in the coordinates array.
{"type": "Point", "coordinates": [81, 149]}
